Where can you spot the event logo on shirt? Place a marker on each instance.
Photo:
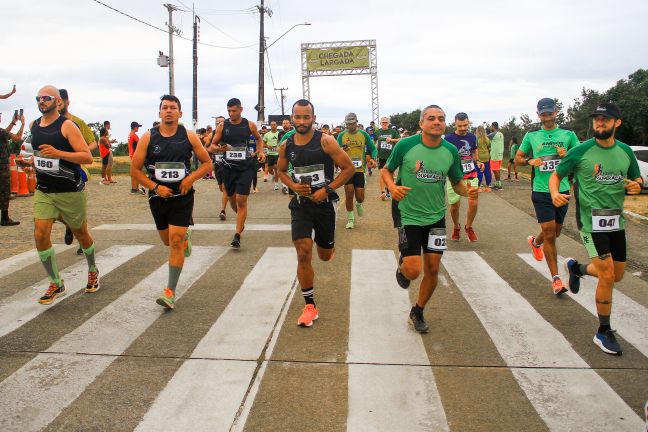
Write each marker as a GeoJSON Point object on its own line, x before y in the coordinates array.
{"type": "Point", "coordinates": [464, 151]}
{"type": "Point", "coordinates": [608, 178]}
{"type": "Point", "coordinates": [549, 145]}
{"type": "Point", "coordinates": [156, 149]}
{"type": "Point", "coordinates": [426, 175]}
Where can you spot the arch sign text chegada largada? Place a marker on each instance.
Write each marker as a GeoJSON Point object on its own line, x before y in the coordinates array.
{"type": "Point", "coordinates": [352, 57]}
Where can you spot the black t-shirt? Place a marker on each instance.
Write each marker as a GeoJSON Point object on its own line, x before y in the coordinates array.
{"type": "Point", "coordinates": [312, 161]}
{"type": "Point", "coordinates": [164, 151]}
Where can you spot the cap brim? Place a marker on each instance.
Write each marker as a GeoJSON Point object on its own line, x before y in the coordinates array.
{"type": "Point", "coordinates": [606, 115]}
{"type": "Point", "coordinates": [351, 122]}
{"type": "Point", "coordinates": [546, 110]}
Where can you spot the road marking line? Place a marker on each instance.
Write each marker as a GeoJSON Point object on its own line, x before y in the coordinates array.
{"type": "Point", "coordinates": [630, 318]}
{"type": "Point", "coordinates": [565, 399]}
{"type": "Point", "coordinates": [196, 227]}
{"type": "Point", "coordinates": [53, 380]}
{"type": "Point", "coordinates": [18, 262]}
{"type": "Point", "coordinates": [381, 396]}
{"type": "Point", "coordinates": [207, 394]}
{"type": "Point", "coordinates": [23, 306]}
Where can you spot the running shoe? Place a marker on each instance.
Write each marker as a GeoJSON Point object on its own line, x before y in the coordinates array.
{"type": "Point", "coordinates": [52, 292]}
{"type": "Point", "coordinates": [537, 250]}
{"type": "Point", "coordinates": [607, 342]}
{"type": "Point", "coordinates": [284, 190]}
{"type": "Point", "coordinates": [309, 314]}
{"type": "Point", "coordinates": [558, 287]}
{"type": "Point", "coordinates": [360, 209]}
{"type": "Point", "coordinates": [69, 237]}
{"type": "Point", "coordinates": [93, 282]}
{"type": "Point", "coordinates": [574, 281]}
{"type": "Point", "coordinates": [187, 248]}
{"type": "Point", "coordinates": [418, 321]}
{"type": "Point", "coordinates": [456, 234]}
{"type": "Point", "coordinates": [222, 215]}
{"type": "Point", "coordinates": [167, 299]}
{"type": "Point", "coordinates": [79, 251]}
{"type": "Point", "coordinates": [134, 191]}
{"type": "Point", "coordinates": [142, 190]}
{"type": "Point", "coordinates": [265, 179]}
{"type": "Point", "coordinates": [402, 281]}
{"type": "Point", "coordinates": [236, 241]}
{"type": "Point", "coordinates": [471, 234]}
{"type": "Point", "coordinates": [350, 224]}
{"type": "Point", "coordinates": [276, 186]}
{"type": "Point", "coordinates": [104, 182]}
{"type": "Point", "coordinates": [255, 190]}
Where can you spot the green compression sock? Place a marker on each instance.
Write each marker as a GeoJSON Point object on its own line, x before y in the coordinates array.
{"type": "Point", "coordinates": [48, 258]}
{"type": "Point", "coordinates": [174, 275]}
{"type": "Point", "coordinates": [90, 257]}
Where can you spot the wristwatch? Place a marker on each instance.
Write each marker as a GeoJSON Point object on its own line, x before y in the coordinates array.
{"type": "Point", "coordinates": [155, 188]}
{"type": "Point", "coordinates": [328, 189]}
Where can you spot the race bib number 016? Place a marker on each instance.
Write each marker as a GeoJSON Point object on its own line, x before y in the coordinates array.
{"type": "Point", "coordinates": [315, 172]}
{"type": "Point", "coordinates": [437, 239]}
{"type": "Point", "coordinates": [236, 153]}
{"type": "Point", "coordinates": [169, 171]}
{"type": "Point", "coordinates": [606, 220]}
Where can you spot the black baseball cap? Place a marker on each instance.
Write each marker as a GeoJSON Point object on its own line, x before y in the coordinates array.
{"type": "Point", "coordinates": [546, 105]}
{"type": "Point", "coordinates": [64, 94]}
{"type": "Point", "coordinates": [135, 124]}
{"type": "Point", "coordinates": [608, 110]}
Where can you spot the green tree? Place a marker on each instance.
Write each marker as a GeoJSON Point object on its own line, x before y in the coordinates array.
{"type": "Point", "coordinates": [407, 120]}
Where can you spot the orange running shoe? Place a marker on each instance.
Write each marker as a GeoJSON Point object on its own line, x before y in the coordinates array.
{"type": "Point", "coordinates": [558, 287]}
{"type": "Point", "coordinates": [309, 314]}
{"type": "Point", "coordinates": [537, 250]}
{"type": "Point", "coordinates": [471, 234]}
{"type": "Point", "coordinates": [456, 234]}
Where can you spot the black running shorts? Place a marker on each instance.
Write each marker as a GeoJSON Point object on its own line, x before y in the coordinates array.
{"type": "Point", "coordinates": [358, 180]}
{"type": "Point", "coordinates": [238, 182]}
{"type": "Point", "coordinates": [271, 160]}
{"type": "Point", "coordinates": [412, 239]}
{"type": "Point", "coordinates": [382, 163]}
{"type": "Point", "coordinates": [602, 244]}
{"type": "Point", "coordinates": [177, 211]}
{"type": "Point", "coordinates": [545, 210]}
{"type": "Point", "coordinates": [309, 217]}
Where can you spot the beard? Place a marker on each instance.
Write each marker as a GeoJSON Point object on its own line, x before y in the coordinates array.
{"type": "Point", "coordinates": [604, 134]}
{"type": "Point", "coordinates": [303, 129]}
{"type": "Point", "coordinates": [63, 111]}
{"type": "Point", "coordinates": [47, 109]}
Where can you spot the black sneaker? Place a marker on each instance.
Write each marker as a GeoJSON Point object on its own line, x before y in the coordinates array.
{"type": "Point", "coordinates": [134, 191]}
{"type": "Point", "coordinates": [418, 321]}
{"type": "Point", "coordinates": [403, 282]}
{"type": "Point", "coordinates": [79, 251]}
{"type": "Point", "coordinates": [607, 342]}
{"type": "Point", "coordinates": [9, 222]}
{"type": "Point", "coordinates": [52, 292]}
{"type": "Point", "coordinates": [236, 241]}
{"type": "Point", "coordinates": [222, 215]}
{"type": "Point", "coordinates": [574, 280]}
{"type": "Point", "coordinates": [69, 237]}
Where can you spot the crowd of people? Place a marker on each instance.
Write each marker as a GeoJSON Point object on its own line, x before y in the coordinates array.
{"type": "Point", "coordinates": [421, 174]}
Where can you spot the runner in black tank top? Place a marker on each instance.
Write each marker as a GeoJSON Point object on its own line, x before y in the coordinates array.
{"type": "Point", "coordinates": [166, 152]}
{"type": "Point", "coordinates": [313, 207]}
{"type": "Point", "coordinates": [231, 139]}
{"type": "Point", "coordinates": [59, 148]}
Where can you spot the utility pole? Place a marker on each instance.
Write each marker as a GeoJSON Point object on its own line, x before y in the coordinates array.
{"type": "Point", "coordinates": [195, 72]}
{"type": "Point", "coordinates": [172, 30]}
{"type": "Point", "coordinates": [282, 98]}
{"type": "Point", "coordinates": [261, 102]}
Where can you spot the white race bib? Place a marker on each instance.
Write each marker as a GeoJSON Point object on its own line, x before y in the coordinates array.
{"type": "Point", "coordinates": [170, 172]}
{"type": "Point", "coordinates": [218, 157]}
{"type": "Point", "coordinates": [357, 163]}
{"type": "Point", "coordinates": [315, 172]}
{"type": "Point", "coordinates": [386, 145]}
{"type": "Point", "coordinates": [606, 220]}
{"type": "Point", "coordinates": [236, 154]}
{"type": "Point", "coordinates": [437, 239]}
{"type": "Point", "coordinates": [44, 164]}
{"type": "Point", "coordinates": [468, 166]}
{"type": "Point", "coordinates": [549, 165]}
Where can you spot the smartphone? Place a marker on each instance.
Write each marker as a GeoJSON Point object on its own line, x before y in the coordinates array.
{"type": "Point", "coordinates": [21, 112]}
{"type": "Point", "coordinates": [306, 180]}
{"type": "Point", "coordinates": [15, 114]}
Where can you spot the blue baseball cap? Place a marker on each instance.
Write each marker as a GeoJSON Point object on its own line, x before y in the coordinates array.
{"type": "Point", "coordinates": [546, 105]}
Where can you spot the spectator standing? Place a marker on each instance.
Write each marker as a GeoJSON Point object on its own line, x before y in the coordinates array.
{"type": "Point", "coordinates": [106, 155]}
{"type": "Point", "coordinates": [483, 154]}
{"type": "Point", "coordinates": [133, 139]}
{"type": "Point", "coordinates": [5, 173]}
{"type": "Point", "coordinates": [497, 154]}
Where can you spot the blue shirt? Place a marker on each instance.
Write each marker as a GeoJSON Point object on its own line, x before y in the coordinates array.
{"type": "Point", "coordinates": [466, 145]}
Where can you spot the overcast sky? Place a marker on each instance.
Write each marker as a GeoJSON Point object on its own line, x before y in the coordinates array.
{"type": "Point", "coordinates": [492, 60]}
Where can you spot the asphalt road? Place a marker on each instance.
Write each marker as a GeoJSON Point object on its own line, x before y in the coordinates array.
{"type": "Point", "coordinates": [503, 352]}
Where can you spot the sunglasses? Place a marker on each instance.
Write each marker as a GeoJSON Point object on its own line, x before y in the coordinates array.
{"type": "Point", "coordinates": [46, 98]}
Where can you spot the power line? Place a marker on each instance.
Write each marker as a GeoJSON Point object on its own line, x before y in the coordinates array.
{"type": "Point", "coordinates": [212, 25]}
{"type": "Point", "coordinates": [271, 77]}
{"type": "Point", "coordinates": [166, 30]}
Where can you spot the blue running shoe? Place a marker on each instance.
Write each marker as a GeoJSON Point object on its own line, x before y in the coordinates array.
{"type": "Point", "coordinates": [574, 280]}
{"type": "Point", "coordinates": [607, 342]}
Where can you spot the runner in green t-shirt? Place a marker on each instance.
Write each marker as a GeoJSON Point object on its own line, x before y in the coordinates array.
{"type": "Point", "coordinates": [425, 162]}
{"type": "Point", "coordinates": [514, 147]}
{"type": "Point", "coordinates": [271, 140]}
{"type": "Point", "coordinates": [543, 149]}
{"type": "Point", "coordinates": [496, 154]}
{"type": "Point", "coordinates": [604, 170]}
{"type": "Point", "coordinates": [386, 139]}
{"type": "Point", "coordinates": [360, 148]}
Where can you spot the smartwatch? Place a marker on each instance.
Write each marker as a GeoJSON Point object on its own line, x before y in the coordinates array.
{"type": "Point", "coordinates": [328, 189]}
{"type": "Point", "coordinates": [155, 188]}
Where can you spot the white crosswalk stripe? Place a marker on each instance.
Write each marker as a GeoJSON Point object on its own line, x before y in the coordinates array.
{"type": "Point", "coordinates": [566, 394]}
{"type": "Point", "coordinates": [389, 388]}
{"type": "Point", "coordinates": [22, 307]}
{"type": "Point", "coordinates": [391, 385]}
{"type": "Point", "coordinates": [206, 395]}
{"type": "Point", "coordinates": [18, 262]}
{"type": "Point", "coordinates": [630, 319]}
{"type": "Point", "coordinates": [52, 380]}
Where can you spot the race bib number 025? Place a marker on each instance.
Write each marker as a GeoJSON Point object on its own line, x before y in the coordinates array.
{"type": "Point", "coordinates": [437, 239]}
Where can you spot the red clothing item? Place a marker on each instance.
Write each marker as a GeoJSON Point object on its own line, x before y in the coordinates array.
{"type": "Point", "coordinates": [133, 139]}
{"type": "Point", "coordinates": [103, 150]}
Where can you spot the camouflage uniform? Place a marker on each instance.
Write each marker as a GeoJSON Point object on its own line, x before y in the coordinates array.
{"type": "Point", "coordinates": [5, 174]}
